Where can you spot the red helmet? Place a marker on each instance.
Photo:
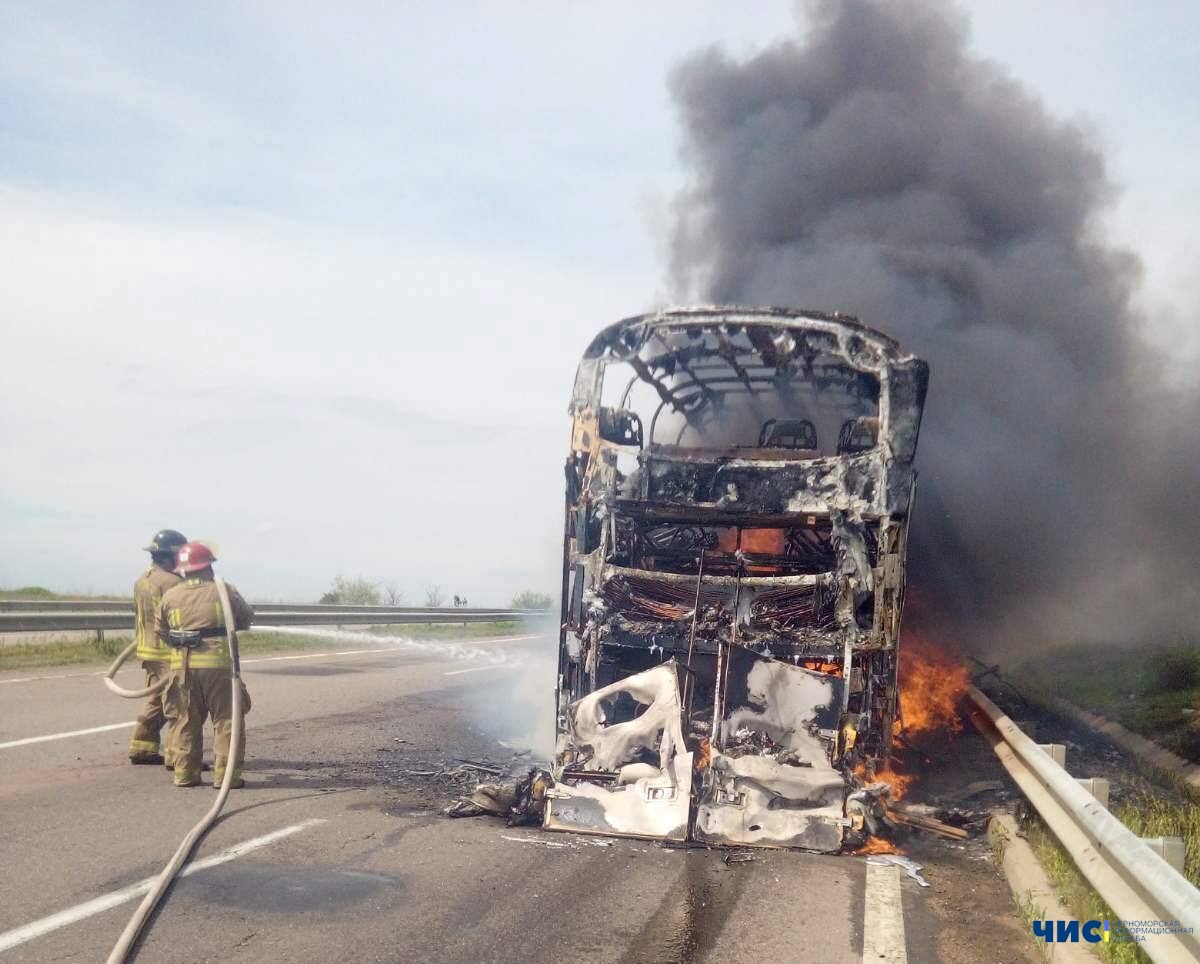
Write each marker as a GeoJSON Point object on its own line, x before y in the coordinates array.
{"type": "Point", "coordinates": [193, 556]}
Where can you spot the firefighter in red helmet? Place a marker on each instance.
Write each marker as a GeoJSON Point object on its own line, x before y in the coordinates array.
{"type": "Point", "coordinates": [191, 619]}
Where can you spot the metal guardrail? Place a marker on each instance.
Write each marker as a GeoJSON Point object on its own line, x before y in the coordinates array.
{"type": "Point", "coordinates": [116, 617]}
{"type": "Point", "coordinates": [1134, 880]}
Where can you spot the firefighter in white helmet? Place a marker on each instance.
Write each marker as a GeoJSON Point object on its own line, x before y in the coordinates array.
{"type": "Point", "coordinates": [191, 619]}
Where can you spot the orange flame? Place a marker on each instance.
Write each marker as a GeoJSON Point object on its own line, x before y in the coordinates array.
{"type": "Point", "coordinates": [899, 782]}
{"type": "Point", "coordinates": [932, 681]}
{"type": "Point", "coordinates": [877, 845]}
{"type": "Point", "coordinates": [820, 666]}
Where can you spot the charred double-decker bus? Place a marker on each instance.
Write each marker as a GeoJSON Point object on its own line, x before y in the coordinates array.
{"type": "Point", "coordinates": [738, 496]}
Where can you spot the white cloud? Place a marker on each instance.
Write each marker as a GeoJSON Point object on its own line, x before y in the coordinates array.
{"type": "Point", "coordinates": [60, 60]}
{"type": "Point", "coordinates": [394, 410]}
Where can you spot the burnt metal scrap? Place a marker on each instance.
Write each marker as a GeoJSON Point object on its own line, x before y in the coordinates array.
{"type": "Point", "coordinates": [521, 802]}
{"type": "Point", "coordinates": [738, 495]}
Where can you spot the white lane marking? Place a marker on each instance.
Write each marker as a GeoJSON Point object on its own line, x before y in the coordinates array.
{"type": "Point", "coordinates": [40, 928]}
{"type": "Point", "coordinates": [268, 659]}
{"type": "Point", "coordinates": [883, 917]}
{"type": "Point", "coordinates": [31, 679]}
{"type": "Point", "coordinates": [63, 736]}
{"type": "Point", "coordinates": [480, 669]}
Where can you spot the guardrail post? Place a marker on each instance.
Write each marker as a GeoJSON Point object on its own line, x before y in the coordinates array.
{"type": "Point", "coordinates": [1098, 787]}
{"type": "Point", "coordinates": [1169, 848]}
{"type": "Point", "coordinates": [100, 637]}
{"type": "Point", "coordinates": [1056, 751]}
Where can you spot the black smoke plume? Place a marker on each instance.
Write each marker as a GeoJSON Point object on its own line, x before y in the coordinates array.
{"type": "Point", "coordinates": [877, 167]}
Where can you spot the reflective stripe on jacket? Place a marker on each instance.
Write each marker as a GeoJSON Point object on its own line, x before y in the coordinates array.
{"type": "Point", "coordinates": [147, 597]}
{"type": "Point", "coordinates": [194, 604]}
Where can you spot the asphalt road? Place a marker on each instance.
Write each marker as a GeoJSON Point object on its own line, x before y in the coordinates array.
{"type": "Point", "coordinates": [337, 851]}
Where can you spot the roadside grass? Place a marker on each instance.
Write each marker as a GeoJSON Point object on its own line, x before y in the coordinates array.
{"type": "Point", "coordinates": [91, 652]}
{"type": "Point", "coordinates": [1152, 692]}
{"type": "Point", "coordinates": [1148, 812]}
{"type": "Point", "coordinates": [1084, 902]}
{"type": "Point", "coordinates": [86, 652]}
{"type": "Point", "coordinates": [1151, 814]}
{"type": "Point", "coordinates": [1030, 910]}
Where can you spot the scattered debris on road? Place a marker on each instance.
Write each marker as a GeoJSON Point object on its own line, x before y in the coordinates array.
{"type": "Point", "coordinates": [910, 867]}
{"type": "Point", "coordinates": [556, 844]}
{"type": "Point", "coordinates": [738, 857]}
{"type": "Point", "coordinates": [521, 803]}
{"type": "Point", "coordinates": [481, 767]}
{"type": "Point", "coordinates": [914, 817]}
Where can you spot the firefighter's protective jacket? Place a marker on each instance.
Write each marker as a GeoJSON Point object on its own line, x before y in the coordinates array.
{"type": "Point", "coordinates": [148, 593]}
{"type": "Point", "coordinates": [195, 606]}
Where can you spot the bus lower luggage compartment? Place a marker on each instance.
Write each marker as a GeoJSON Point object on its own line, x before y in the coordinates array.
{"type": "Point", "coordinates": [629, 762]}
{"type": "Point", "coordinates": [770, 782]}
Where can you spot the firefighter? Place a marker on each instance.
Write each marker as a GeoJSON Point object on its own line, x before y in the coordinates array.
{"type": "Point", "coordinates": [152, 650]}
{"type": "Point", "coordinates": [191, 619]}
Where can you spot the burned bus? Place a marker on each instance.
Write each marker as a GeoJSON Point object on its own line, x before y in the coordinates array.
{"type": "Point", "coordinates": [738, 493]}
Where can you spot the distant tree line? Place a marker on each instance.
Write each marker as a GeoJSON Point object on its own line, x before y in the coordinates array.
{"type": "Point", "coordinates": [360, 591]}
{"type": "Point", "coordinates": [532, 600]}
{"type": "Point", "coordinates": [353, 592]}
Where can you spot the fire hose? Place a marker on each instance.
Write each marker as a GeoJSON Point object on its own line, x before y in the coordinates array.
{"type": "Point", "coordinates": [125, 944]}
{"type": "Point", "coordinates": [120, 690]}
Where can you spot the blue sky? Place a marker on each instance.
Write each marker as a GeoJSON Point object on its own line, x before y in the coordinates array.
{"type": "Point", "coordinates": [311, 281]}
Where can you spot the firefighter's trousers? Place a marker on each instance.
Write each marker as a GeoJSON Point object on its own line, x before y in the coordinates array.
{"type": "Point", "coordinates": [153, 717]}
{"type": "Point", "coordinates": [193, 696]}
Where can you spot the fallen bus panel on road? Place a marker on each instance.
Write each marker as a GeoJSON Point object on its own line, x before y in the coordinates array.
{"type": "Point", "coordinates": [737, 506]}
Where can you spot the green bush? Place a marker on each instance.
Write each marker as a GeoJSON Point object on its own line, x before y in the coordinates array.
{"type": "Point", "coordinates": [532, 600]}
{"type": "Point", "coordinates": [28, 592]}
{"type": "Point", "coordinates": [351, 592]}
{"type": "Point", "coordinates": [1179, 670]}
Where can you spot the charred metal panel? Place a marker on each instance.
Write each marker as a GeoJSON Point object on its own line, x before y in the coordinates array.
{"type": "Point", "coordinates": [738, 496]}
{"type": "Point", "coordinates": [770, 781]}
{"type": "Point", "coordinates": [633, 776]}
{"type": "Point", "coordinates": [757, 487]}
